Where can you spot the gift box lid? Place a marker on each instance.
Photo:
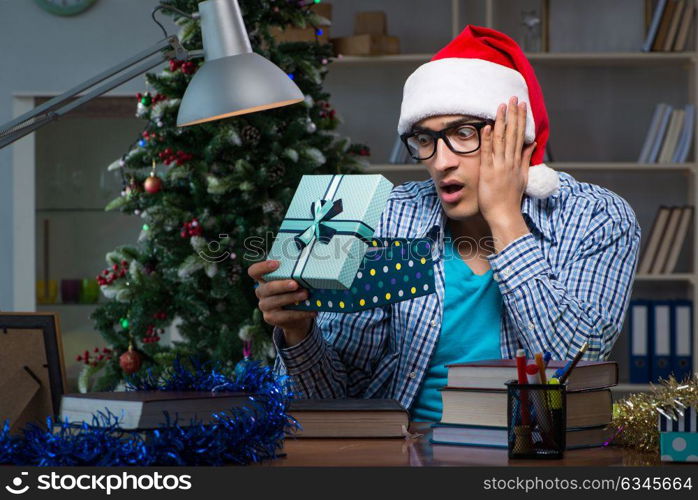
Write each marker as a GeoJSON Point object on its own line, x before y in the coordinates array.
{"type": "Point", "coordinates": [327, 227]}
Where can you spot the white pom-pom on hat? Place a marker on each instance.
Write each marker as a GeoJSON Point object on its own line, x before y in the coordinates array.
{"type": "Point", "coordinates": [543, 181]}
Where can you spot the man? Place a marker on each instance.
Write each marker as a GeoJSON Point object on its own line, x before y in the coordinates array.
{"type": "Point", "coordinates": [549, 264]}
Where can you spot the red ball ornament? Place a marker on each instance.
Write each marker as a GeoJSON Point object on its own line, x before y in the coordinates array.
{"type": "Point", "coordinates": [153, 184]}
{"type": "Point", "coordinates": [188, 68]}
{"type": "Point", "coordinates": [175, 64]}
{"type": "Point", "coordinates": [130, 361]}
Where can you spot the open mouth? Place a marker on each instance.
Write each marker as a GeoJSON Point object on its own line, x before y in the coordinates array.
{"type": "Point", "coordinates": [452, 188]}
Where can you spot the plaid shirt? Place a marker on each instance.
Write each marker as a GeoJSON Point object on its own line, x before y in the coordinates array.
{"type": "Point", "coordinates": [566, 282]}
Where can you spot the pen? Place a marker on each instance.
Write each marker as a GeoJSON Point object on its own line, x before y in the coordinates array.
{"type": "Point", "coordinates": [523, 380]}
{"type": "Point", "coordinates": [541, 367]}
{"type": "Point", "coordinates": [560, 371]}
{"type": "Point", "coordinates": [546, 358]}
{"type": "Point", "coordinates": [522, 432]}
{"type": "Point", "coordinates": [555, 406]}
{"type": "Point", "coordinates": [540, 412]}
{"type": "Point", "coordinates": [533, 374]}
{"type": "Point", "coordinates": [576, 359]}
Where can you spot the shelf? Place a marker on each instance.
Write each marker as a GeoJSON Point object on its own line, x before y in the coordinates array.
{"type": "Point", "coordinates": [563, 166]}
{"type": "Point", "coordinates": [615, 58]}
{"type": "Point", "coordinates": [397, 58]}
{"type": "Point", "coordinates": [635, 167]}
{"type": "Point", "coordinates": [60, 304]}
{"type": "Point", "coordinates": [62, 210]}
{"type": "Point", "coordinates": [631, 388]}
{"type": "Point", "coordinates": [689, 277]}
{"type": "Point", "coordinates": [624, 58]}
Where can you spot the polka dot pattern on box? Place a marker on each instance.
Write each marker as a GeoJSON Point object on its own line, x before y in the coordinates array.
{"type": "Point", "coordinates": [678, 446]}
{"type": "Point", "coordinates": [393, 270]}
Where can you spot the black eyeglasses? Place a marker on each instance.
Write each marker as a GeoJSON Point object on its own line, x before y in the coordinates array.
{"type": "Point", "coordinates": [461, 138]}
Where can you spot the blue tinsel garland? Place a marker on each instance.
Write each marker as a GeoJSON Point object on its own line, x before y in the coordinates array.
{"type": "Point", "coordinates": [238, 436]}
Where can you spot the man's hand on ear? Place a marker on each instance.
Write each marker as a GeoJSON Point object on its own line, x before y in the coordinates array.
{"type": "Point", "coordinates": [504, 163]}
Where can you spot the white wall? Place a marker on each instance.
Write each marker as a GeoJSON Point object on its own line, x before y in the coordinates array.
{"type": "Point", "coordinates": [44, 54]}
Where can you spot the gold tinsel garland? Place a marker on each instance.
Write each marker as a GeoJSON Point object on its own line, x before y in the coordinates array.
{"type": "Point", "coordinates": [635, 417]}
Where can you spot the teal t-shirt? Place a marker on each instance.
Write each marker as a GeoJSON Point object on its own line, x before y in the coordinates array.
{"type": "Point", "coordinates": [472, 314]}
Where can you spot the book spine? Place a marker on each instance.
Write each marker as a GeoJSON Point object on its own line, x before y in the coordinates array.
{"type": "Point", "coordinates": [651, 133]}
{"type": "Point", "coordinates": [654, 26]}
{"type": "Point", "coordinates": [661, 132]}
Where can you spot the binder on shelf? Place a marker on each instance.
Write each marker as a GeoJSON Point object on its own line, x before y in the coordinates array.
{"type": "Point", "coordinates": [639, 332]}
{"type": "Point", "coordinates": [654, 26]}
{"type": "Point", "coordinates": [682, 355]}
{"type": "Point", "coordinates": [660, 340]}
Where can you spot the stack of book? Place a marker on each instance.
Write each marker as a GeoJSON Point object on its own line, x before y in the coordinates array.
{"type": "Point", "coordinates": [670, 25]}
{"type": "Point", "coordinates": [660, 339]}
{"type": "Point", "coordinates": [669, 136]}
{"type": "Point", "coordinates": [475, 403]}
{"type": "Point", "coordinates": [349, 418]}
{"type": "Point", "coordinates": [665, 240]}
{"type": "Point", "coordinates": [143, 411]}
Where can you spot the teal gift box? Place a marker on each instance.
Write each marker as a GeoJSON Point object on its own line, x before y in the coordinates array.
{"type": "Point", "coordinates": [678, 446]}
{"type": "Point", "coordinates": [327, 229]}
{"type": "Point", "coordinates": [392, 270]}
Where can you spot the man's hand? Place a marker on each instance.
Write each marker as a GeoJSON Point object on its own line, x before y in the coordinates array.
{"type": "Point", "coordinates": [273, 295]}
{"type": "Point", "coordinates": [504, 164]}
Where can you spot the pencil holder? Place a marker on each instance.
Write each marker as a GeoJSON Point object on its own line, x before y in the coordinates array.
{"type": "Point", "coordinates": [536, 420]}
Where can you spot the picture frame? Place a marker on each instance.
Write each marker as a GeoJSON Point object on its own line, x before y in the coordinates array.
{"type": "Point", "coordinates": [31, 357]}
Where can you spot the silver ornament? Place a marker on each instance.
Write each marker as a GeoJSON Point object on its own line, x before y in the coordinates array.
{"type": "Point", "coordinates": [310, 126]}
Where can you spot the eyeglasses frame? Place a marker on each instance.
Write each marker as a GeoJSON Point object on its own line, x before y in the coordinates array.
{"type": "Point", "coordinates": [441, 134]}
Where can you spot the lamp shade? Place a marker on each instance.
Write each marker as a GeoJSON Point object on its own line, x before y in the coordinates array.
{"type": "Point", "coordinates": [233, 80]}
{"type": "Point", "coordinates": [233, 86]}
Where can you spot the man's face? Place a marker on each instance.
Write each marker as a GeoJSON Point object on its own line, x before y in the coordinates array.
{"type": "Point", "coordinates": [460, 200]}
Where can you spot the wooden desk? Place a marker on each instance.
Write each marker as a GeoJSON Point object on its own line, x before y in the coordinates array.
{"type": "Point", "coordinates": [419, 452]}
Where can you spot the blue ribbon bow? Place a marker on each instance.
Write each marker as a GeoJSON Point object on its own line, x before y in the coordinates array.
{"type": "Point", "coordinates": [321, 211]}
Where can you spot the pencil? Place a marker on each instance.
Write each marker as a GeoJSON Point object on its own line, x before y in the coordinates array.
{"type": "Point", "coordinates": [576, 359]}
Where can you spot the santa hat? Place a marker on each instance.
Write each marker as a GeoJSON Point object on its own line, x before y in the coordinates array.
{"type": "Point", "coordinates": [472, 75]}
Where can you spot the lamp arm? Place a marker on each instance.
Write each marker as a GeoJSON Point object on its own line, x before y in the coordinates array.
{"type": "Point", "coordinates": [57, 107]}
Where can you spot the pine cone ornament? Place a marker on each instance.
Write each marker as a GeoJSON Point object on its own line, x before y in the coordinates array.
{"type": "Point", "coordinates": [275, 173]}
{"type": "Point", "coordinates": [251, 135]}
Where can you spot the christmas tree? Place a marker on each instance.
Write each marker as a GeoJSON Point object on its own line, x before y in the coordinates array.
{"type": "Point", "coordinates": [205, 193]}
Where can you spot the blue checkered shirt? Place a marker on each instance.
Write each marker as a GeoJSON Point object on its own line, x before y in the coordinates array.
{"type": "Point", "coordinates": [564, 283]}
